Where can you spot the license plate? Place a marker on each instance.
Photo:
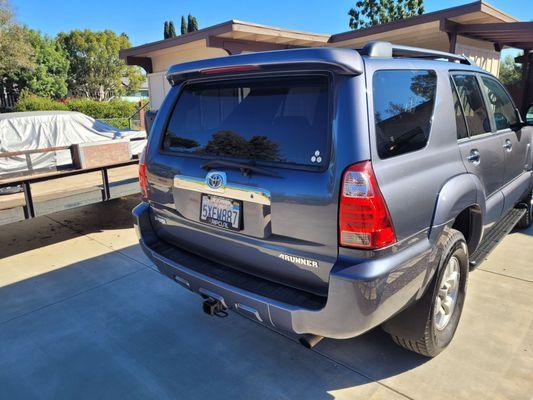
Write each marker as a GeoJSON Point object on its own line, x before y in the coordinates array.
{"type": "Point", "coordinates": [221, 212]}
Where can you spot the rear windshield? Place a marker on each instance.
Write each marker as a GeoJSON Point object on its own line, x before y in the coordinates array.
{"type": "Point", "coordinates": [283, 120]}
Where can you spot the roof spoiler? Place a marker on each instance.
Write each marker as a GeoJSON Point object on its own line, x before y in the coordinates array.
{"type": "Point", "coordinates": [342, 61]}
{"type": "Point", "coordinates": [382, 49]}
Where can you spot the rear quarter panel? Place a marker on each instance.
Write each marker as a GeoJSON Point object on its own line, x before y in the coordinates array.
{"type": "Point", "coordinates": [411, 182]}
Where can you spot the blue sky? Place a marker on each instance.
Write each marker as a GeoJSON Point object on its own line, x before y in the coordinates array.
{"type": "Point", "coordinates": [143, 20]}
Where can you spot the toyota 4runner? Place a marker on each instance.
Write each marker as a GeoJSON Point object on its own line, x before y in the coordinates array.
{"type": "Point", "coordinates": [327, 191]}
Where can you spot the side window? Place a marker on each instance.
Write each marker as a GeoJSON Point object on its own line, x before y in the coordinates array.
{"type": "Point", "coordinates": [500, 104]}
{"type": "Point", "coordinates": [462, 131]}
{"type": "Point", "coordinates": [476, 116]}
{"type": "Point", "coordinates": [403, 110]}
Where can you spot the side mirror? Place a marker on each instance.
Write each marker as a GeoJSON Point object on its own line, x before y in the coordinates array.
{"type": "Point", "coordinates": [529, 115]}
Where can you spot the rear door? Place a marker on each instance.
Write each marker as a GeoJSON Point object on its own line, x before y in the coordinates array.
{"type": "Point", "coordinates": [481, 147]}
{"type": "Point", "coordinates": [254, 184]}
{"type": "Point", "coordinates": [515, 143]}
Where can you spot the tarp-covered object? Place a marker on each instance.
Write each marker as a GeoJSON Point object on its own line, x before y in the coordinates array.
{"type": "Point", "coordinates": [42, 129]}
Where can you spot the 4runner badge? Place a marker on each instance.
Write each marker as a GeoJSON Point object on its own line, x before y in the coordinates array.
{"type": "Point", "coordinates": [299, 260]}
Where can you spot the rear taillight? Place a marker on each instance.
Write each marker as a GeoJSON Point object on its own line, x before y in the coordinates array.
{"type": "Point", "coordinates": [142, 174]}
{"type": "Point", "coordinates": [364, 220]}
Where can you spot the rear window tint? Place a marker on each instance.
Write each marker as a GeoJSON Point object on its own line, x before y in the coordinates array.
{"type": "Point", "coordinates": [283, 120]}
{"type": "Point", "coordinates": [403, 107]}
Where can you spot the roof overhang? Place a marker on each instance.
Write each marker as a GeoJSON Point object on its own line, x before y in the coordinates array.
{"type": "Point", "coordinates": [436, 30]}
{"type": "Point", "coordinates": [512, 34]}
{"type": "Point", "coordinates": [425, 28]}
{"type": "Point", "coordinates": [232, 36]}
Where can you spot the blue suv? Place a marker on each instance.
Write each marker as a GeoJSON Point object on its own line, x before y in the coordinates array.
{"type": "Point", "coordinates": [327, 191]}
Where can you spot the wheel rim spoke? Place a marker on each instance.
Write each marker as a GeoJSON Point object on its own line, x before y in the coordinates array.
{"type": "Point", "coordinates": [447, 294]}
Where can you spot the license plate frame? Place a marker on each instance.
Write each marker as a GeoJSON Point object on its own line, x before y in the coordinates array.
{"type": "Point", "coordinates": [233, 222]}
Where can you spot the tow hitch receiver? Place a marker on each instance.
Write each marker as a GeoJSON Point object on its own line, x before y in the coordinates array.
{"type": "Point", "coordinates": [214, 307]}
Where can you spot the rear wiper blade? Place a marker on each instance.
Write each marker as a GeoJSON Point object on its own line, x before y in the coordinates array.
{"type": "Point", "coordinates": [245, 168]}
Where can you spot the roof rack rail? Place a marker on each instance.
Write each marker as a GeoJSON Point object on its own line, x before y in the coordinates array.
{"type": "Point", "coordinates": [382, 49]}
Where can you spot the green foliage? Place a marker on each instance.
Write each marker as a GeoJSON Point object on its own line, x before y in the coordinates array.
{"type": "Point", "coordinates": [183, 25]}
{"type": "Point", "coordinates": [510, 72]}
{"type": "Point", "coordinates": [49, 77]}
{"type": "Point", "coordinates": [103, 109]}
{"type": "Point", "coordinates": [171, 29]}
{"type": "Point", "coordinates": [367, 13]}
{"type": "Point", "coordinates": [115, 112]}
{"type": "Point", "coordinates": [16, 53]}
{"type": "Point", "coordinates": [165, 31]}
{"type": "Point", "coordinates": [95, 69]}
{"type": "Point", "coordinates": [31, 102]}
{"type": "Point", "coordinates": [192, 23]}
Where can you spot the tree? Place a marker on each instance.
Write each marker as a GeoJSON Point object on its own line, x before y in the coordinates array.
{"type": "Point", "coordinates": [49, 76]}
{"type": "Point", "coordinates": [192, 23]}
{"type": "Point", "coordinates": [171, 29]}
{"type": "Point", "coordinates": [510, 72]}
{"type": "Point", "coordinates": [95, 69]}
{"type": "Point", "coordinates": [15, 50]}
{"type": "Point", "coordinates": [165, 31]}
{"type": "Point", "coordinates": [367, 13]}
{"type": "Point", "coordinates": [183, 25]}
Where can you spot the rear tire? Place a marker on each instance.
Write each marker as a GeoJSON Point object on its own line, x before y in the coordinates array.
{"type": "Point", "coordinates": [448, 294]}
{"type": "Point", "coordinates": [527, 219]}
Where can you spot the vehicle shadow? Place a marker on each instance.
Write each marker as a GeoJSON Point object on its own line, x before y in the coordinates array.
{"type": "Point", "coordinates": [124, 329]}
{"type": "Point", "coordinates": [528, 231]}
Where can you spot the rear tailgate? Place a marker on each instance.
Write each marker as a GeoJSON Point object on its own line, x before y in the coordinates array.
{"type": "Point", "coordinates": [243, 173]}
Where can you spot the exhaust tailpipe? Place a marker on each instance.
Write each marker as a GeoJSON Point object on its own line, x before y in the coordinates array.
{"type": "Point", "coordinates": [309, 341]}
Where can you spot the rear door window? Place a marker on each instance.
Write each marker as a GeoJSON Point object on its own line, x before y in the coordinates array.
{"type": "Point", "coordinates": [476, 116]}
{"type": "Point", "coordinates": [403, 109]}
{"type": "Point", "coordinates": [500, 103]}
{"type": "Point", "coordinates": [462, 130]}
{"type": "Point", "coordinates": [281, 120]}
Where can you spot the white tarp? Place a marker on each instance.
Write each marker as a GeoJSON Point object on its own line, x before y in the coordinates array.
{"type": "Point", "coordinates": [42, 129]}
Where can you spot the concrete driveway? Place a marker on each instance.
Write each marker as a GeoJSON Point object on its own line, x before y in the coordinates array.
{"type": "Point", "coordinates": [83, 314]}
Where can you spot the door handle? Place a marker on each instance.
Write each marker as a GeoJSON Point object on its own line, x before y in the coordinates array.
{"type": "Point", "coordinates": [508, 145]}
{"type": "Point", "coordinates": [474, 157]}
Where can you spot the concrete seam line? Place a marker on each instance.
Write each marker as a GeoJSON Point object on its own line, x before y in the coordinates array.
{"type": "Point", "coordinates": [507, 276]}
{"type": "Point", "coordinates": [71, 296]}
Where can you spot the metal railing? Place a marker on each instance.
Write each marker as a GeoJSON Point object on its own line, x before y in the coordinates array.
{"type": "Point", "coordinates": [7, 100]}
{"type": "Point", "coordinates": [133, 123]}
{"type": "Point", "coordinates": [25, 182]}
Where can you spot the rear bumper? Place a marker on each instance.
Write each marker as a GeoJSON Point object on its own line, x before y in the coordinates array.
{"type": "Point", "coordinates": [360, 297]}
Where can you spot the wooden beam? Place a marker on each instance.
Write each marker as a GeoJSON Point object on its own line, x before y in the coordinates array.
{"type": "Point", "coordinates": [494, 28]}
{"type": "Point", "coordinates": [143, 62]}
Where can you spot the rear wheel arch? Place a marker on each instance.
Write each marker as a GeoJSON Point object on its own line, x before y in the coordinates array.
{"type": "Point", "coordinates": [470, 223]}
{"type": "Point", "coordinates": [460, 204]}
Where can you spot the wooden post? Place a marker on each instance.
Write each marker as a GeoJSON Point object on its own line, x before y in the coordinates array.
{"type": "Point", "coordinates": [141, 116]}
{"type": "Point", "coordinates": [452, 38]}
{"type": "Point", "coordinates": [527, 80]}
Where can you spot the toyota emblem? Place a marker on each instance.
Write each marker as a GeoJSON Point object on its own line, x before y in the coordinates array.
{"type": "Point", "coordinates": [215, 180]}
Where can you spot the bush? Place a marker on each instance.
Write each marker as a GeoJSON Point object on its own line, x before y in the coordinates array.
{"type": "Point", "coordinates": [102, 110]}
{"type": "Point", "coordinates": [30, 102]}
{"type": "Point", "coordinates": [114, 112]}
